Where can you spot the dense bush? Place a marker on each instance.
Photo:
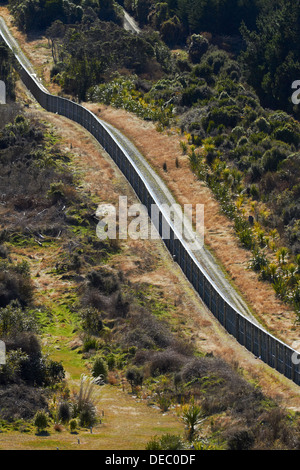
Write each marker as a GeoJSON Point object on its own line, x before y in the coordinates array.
{"type": "Point", "coordinates": [20, 401]}
{"type": "Point", "coordinates": [100, 368]}
{"type": "Point", "coordinates": [38, 15]}
{"type": "Point", "coordinates": [15, 285]}
{"type": "Point", "coordinates": [41, 420]}
{"type": "Point", "coordinates": [166, 361]}
{"type": "Point", "coordinates": [64, 412]}
{"type": "Point", "coordinates": [88, 53]}
{"type": "Point", "coordinates": [166, 442]}
{"type": "Point", "coordinates": [272, 53]}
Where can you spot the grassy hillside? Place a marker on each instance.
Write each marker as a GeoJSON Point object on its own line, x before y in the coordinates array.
{"type": "Point", "coordinates": [84, 303]}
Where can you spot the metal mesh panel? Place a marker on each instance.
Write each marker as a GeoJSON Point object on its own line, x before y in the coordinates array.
{"type": "Point", "coordinates": [230, 321]}
{"type": "Point", "coordinates": [221, 310]}
{"type": "Point", "coordinates": [195, 276]}
{"type": "Point", "coordinates": [188, 267]}
{"type": "Point", "coordinates": [206, 297]}
{"type": "Point", "coordinates": [201, 284]}
{"type": "Point", "coordinates": [256, 342]}
{"type": "Point", "coordinates": [176, 248]}
{"type": "Point", "coordinates": [280, 352]}
{"type": "Point", "coordinates": [296, 375]}
{"type": "Point", "coordinates": [288, 362]}
{"type": "Point", "coordinates": [248, 336]}
{"type": "Point", "coordinates": [241, 331]}
{"type": "Point", "coordinates": [264, 347]}
{"type": "Point", "coordinates": [213, 302]}
{"type": "Point", "coordinates": [272, 353]}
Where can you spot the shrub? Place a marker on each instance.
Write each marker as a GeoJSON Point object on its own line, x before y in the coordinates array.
{"type": "Point", "coordinates": [192, 416]}
{"type": "Point", "coordinates": [61, 191]}
{"type": "Point", "coordinates": [164, 402]}
{"type": "Point", "coordinates": [58, 427]}
{"type": "Point", "coordinates": [263, 125]}
{"type": "Point", "coordinates": [241, 439]}
{"type": "Point", "coordinates": [166, 361]}
{"type": "Point", "coordinates": [147, 332]}
{"type": "Point", "coordinates": [272, 158]}
{"type": "Point", "coordinates": [192, 94]}
{"type": "Point", "coordinates": [91, 321]}
{"type": "Point", "coordinates": [111, 361]}
{"type": "Point", "coordinates": [104, 280]}
{"type": "Point", "coordinates": [83, 402]}
{"type": "Point", "coordinates": [258, 261]}
{"type": "Point", "coordinates": [217, 59]}
{"type": "Point", "coordinates": [64, 412]}
{"type": "Point", "coordinates": [166, 442]}
{"type": "Point", "coordinates": [89, 344]}
{"type": "Point", "coordinates": [14, 320]}
{"type": "Point", "coordinates": [41, 421]}
{"type": "Point", "coordinates": [4, 252]}
{"type": "Point", "coordinates": [171, 31]}
{"type": "Point", "coordinates": [242, 141]}
{"type": "Point", "coordinates": [100, 368]}
{"type": "Point", "coordinates": [135, 377]}
{"type": "Point", "coordinates": [88, 415]}
{"type": "Point", "coordinates": [197, 47]}
{"type": "Point", "coordinates": [54, 371]}
{"type": "Point", "coordinates": [73, 423]}
{"type": "Point", "coordinates": [287, 134]}
{"type": "Point", "coordinates": [14, 285]}
{"type": "Point", "coordinates": [203, 70]}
